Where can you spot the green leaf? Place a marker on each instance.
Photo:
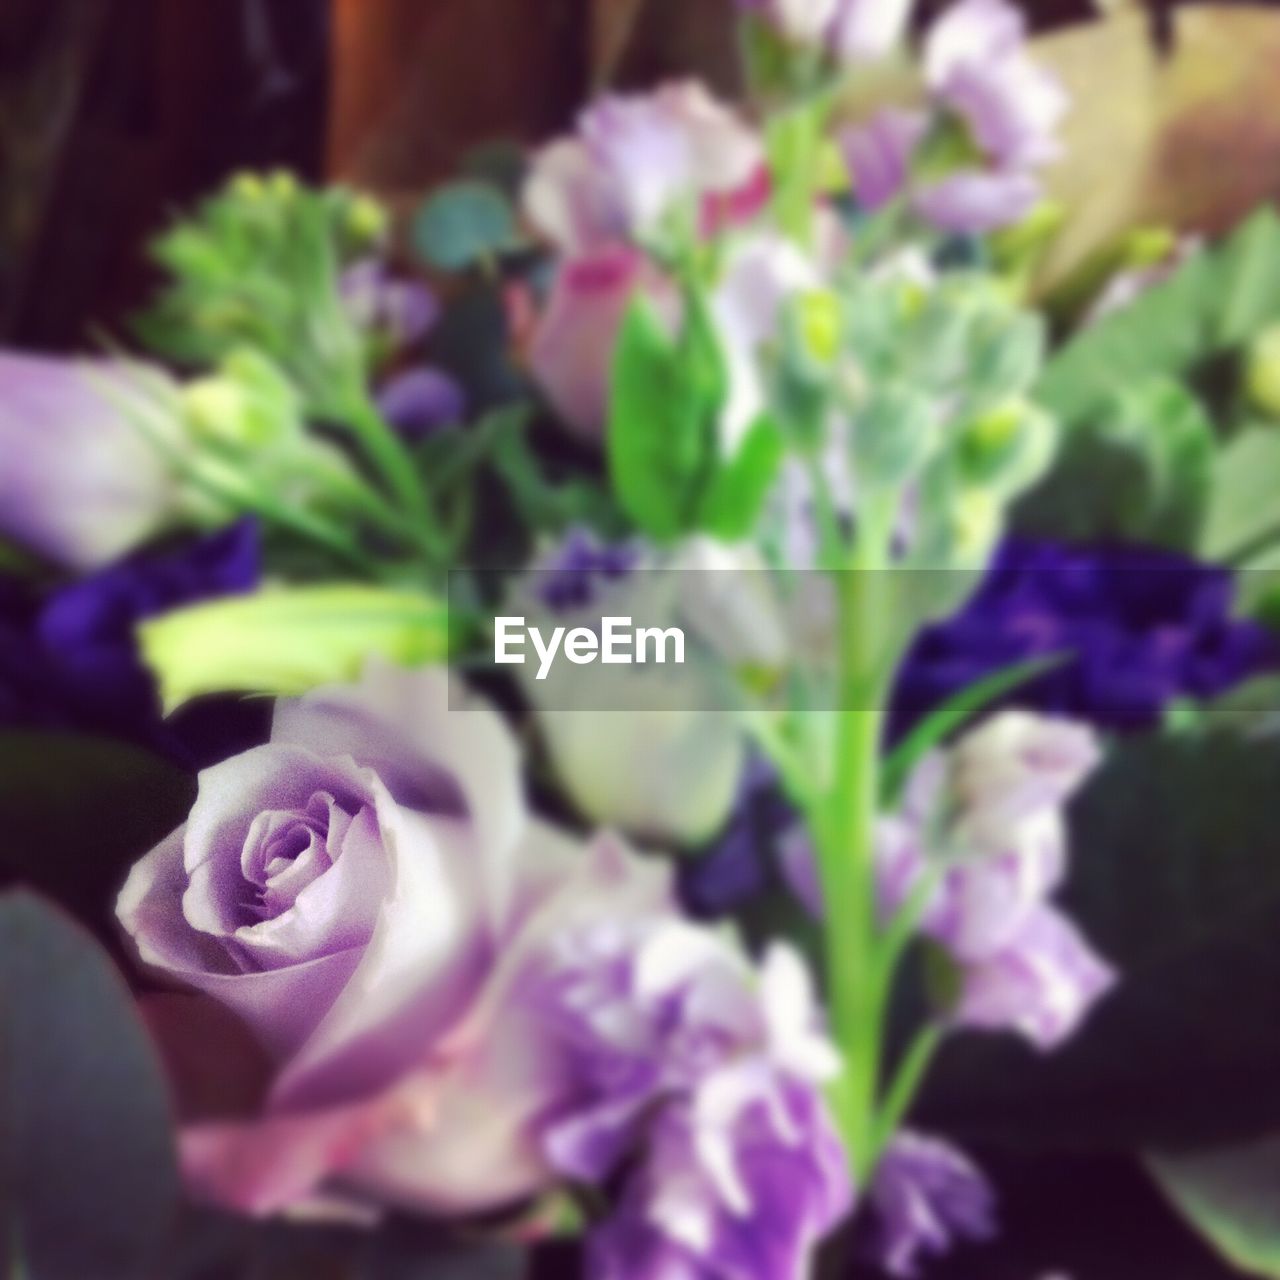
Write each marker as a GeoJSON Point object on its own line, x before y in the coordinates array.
{"type": "Point", "coordinates": [1216, 302]}
{"type": "Point", "coordinates": [1232, 1197]}
{"type": "Point", "coordinates": [286, 640]}
{"type": "Point", "coordinates": [462, 224]}
{"type": "Point", "coordinates": [1142, 473]}
{"type": "Point", "coordinates": [1175, 879]}
{"type": "Point", "coordinates": [1244, 503]}
{"type": "Point", "coordinates": [730, 504]}
{"type": "Point", "coordinates": [88, 1182]}
{"type": "Point", "coordinates": [663, 417]}
{"type": "Point", "coordinates": [954, 712]}
{"type": "Point", "coordinates": [55, 789]}
{"type": "Point", "coordinates": [547, 504]}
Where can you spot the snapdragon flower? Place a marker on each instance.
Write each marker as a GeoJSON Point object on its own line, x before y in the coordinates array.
{"type": "Point", "coordinates": [712, 1074]}
{"type": "Point", "coordinates": [981, 832]}
{"type": "Point", "coordinates": [926, 1195]}
{"type": "Point", "coordinates": [980, 76]}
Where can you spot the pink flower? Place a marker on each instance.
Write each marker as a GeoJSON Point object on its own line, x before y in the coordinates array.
{"type": "Point", "coordinates": [571, 349]}
{"type": "Point", "coordinates": [368, 896]}
{"type": "Point", "coordinates": [634, 160]}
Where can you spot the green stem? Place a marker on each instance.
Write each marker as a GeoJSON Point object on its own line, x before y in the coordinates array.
{"type": "Point", "coordinates": [845, 833]}
{"type": "Point", "coordinates": [389, 457]}
{"type": "Point", "coordinates": [906, 1084]}
{"type": "Point", "coordinates": [794, 139]}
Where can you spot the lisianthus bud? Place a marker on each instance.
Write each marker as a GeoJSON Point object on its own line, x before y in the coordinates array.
{"type": "Point", "coordinates": [893, 435]}
{"type": "Point", "coordinates": [802, 21]}
{"type": "Point", "coordinates": [1262, 372]}
{"type": "Point", "coordinates": [1008, 450]}
{"type": "Point", "coordinates": [864, 30]}
{"type": "Point", "coordinates": [80, 481]}
{"type": "Point", "coordinates": [248, 404]}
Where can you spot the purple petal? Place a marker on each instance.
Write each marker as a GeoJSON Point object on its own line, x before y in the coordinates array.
{"type": "Point", "coordinates": [1042, 985]}
{"type": "Point", "coordinates": [80, 482]}
{"type": "Point", "coordinates": [926, 1197]}
{"type": "Point", "coordinates": [420, 401]}
{"type": "Point", "coordinates": [878, 154]}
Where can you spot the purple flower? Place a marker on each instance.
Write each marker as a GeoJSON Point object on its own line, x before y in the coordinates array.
{"type": "Point", "coordinates": [69, 658]}
{"type": "Point", "coordinates": [369, 897]}
{"type": "Point", "coordinates": [420, 401]}
{"type": "Point", "coordinates": [977, 64]}
{"type": "Point", "coordinates": [879, 154]}
{"type": "Point", "coordinates": [981, 831]}
{"type": "Point", "coordinates": [634, 159]}
{"type": "Point", "coordinates": [1137, 627]}
{"type": "Point", "coordinates": [80, 482]}
{"type": "Point", "coordinates": [573, 576]}
{"type": "Point", "coordinates": [571, 348]}
{"type": "Point", "coordinates": [759, 1215]}
{"type": "Point", "coordinates": [713, 1082]}
{"type": "Point", "coordinates": [739, 864]}
{"type": "Point", "coordinates": [980, 74]}
{"type": "Point", "coordinates": [1041, 983]}
{"type": "Point", "coordinates": [401, 311]}
{"type": "Point", "coordinates": [925, 1197]}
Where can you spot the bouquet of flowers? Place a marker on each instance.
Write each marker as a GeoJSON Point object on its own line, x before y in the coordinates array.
{"type": "Point", "coordinates": [579, 692]}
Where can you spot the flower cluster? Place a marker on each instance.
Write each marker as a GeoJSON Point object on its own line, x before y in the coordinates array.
{"type": "Point", "coordinates": [608, 949]}
{"type": "Point", "coordinates": [995, 108]}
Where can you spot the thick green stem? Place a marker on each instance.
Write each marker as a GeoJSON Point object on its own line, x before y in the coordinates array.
{"type": "Point", "coordinates": [846, 830]}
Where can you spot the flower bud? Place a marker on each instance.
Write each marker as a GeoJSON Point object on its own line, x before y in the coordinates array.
{"type": "Point", "coordinates": [894, 434]}
{"type": "Point", "coordinates": [1008, 449]}
{"type": "Point", "coordinates": [1262, 372]}
{"type": "Point", "coordinates": [248, 404]}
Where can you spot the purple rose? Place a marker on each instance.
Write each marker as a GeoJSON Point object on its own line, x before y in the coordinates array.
{"type": "Point", "coordinates": [80, 482]}
{"type": "Point", "coordinates": [366, 893]}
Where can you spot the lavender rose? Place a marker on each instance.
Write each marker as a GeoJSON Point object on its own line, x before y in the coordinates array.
{"type": "Point", "coordinates": [366, 894]}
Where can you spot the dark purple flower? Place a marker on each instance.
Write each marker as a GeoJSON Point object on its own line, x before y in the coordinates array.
{"type": "Point", "coordinates": [420, 401]}
{"type": "Point", "coordinates": [582, 563]}
{"type": "Point", "coordinates": [69, 659]}
{"type": "Point", "coordinates": [1136, 627]}
{"type": "Point", "coordinates": [926, 1197]}
{"type": "Point", "coordinates": [740, 864]}
{"type": "Point", "coordinates": [402, 310]}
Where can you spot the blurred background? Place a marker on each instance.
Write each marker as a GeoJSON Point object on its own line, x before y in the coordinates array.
{"type": "Point", "coordinates": [112, 117]}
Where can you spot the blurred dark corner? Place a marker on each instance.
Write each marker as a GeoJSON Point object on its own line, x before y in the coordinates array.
{"type": "Point", "coordinates": [115, 113]}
